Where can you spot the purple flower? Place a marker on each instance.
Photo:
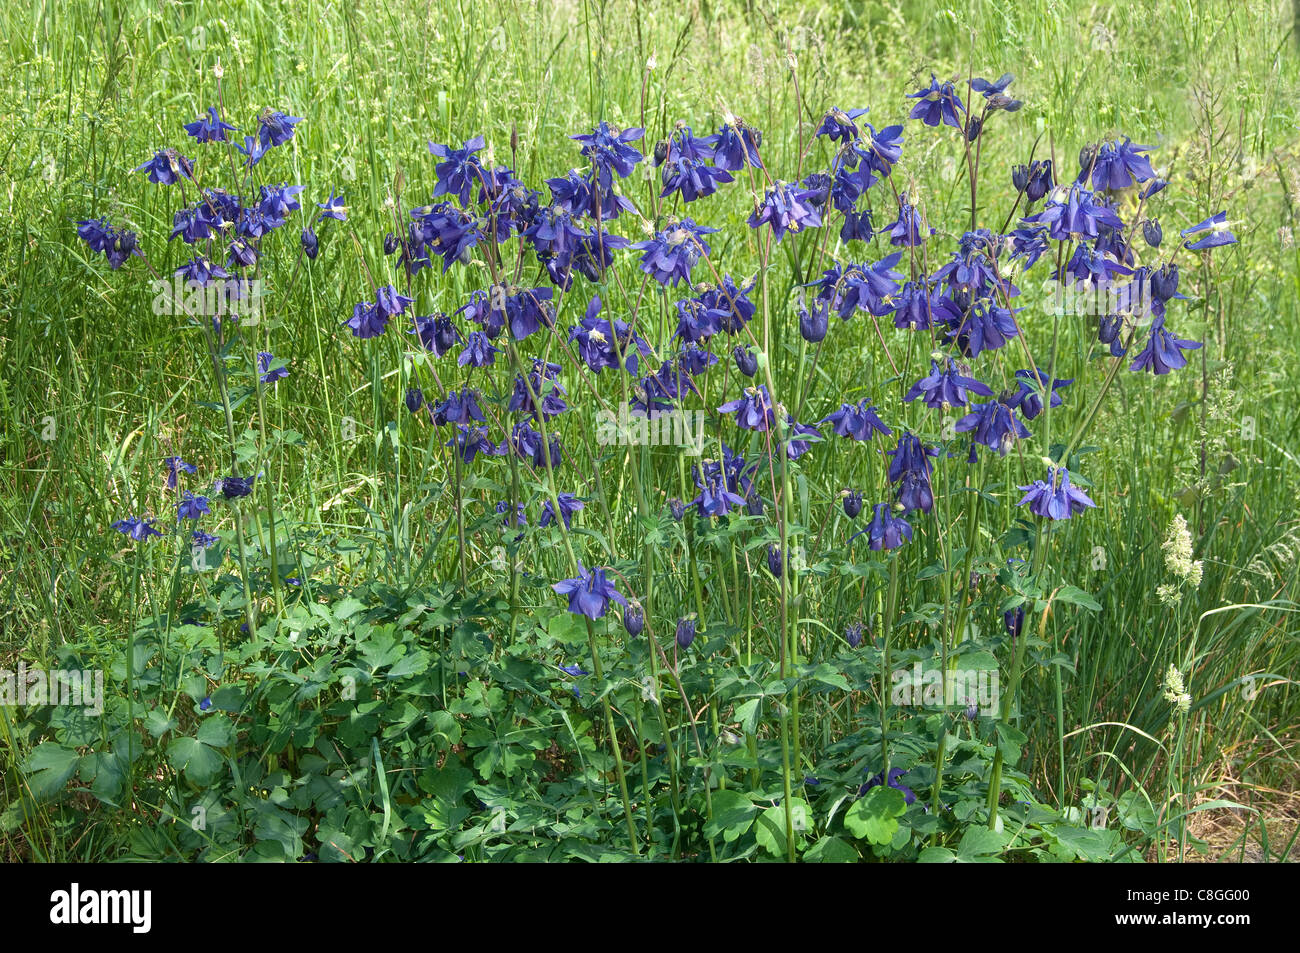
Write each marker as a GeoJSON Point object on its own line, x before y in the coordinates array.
{"type": "Point", "coordinates": [673, 252]}
{"type": "Point", "coordinates": [887, 531]}
{"type": "Point", "coordinates": [233, 487]}
{"type": "Point", "coordinates": [479, 351]}
{"type": "Point", "coordinates": [1029, 399]}
{"type": "Point", "coordinates": [191, 507]}
{"type": "Point", "coordinates": [786, 208]}
{"type": "Point", "coordinates": [735, 144]}
{"type": "Point", "coordinates": [436, 333]}
{"type": "Point", "coordinates": [211, 129]}
{"type": "Point", "coordinates": [1075, 214]}
{"type": "Point", "coordinates": [856, 421]}
{"type": "Point", "coordinates": [839, 125]}
{"type": "Point", "coordinates": [1118, 165]}
{"type": "Point", "coordinates": [275, 128]}
{"type": "Point", "coordinates": [138, 529]}
{"type": "Point", "coordinates": [270, 374]}
{"type": "Point", "coordinates": [606, 148]}
{"type": "Point", "coordinates": [947, 388]}
{"type": "Point", "coordinates": [685, 632]}
{"type": "Point", "coordinates": [1054, 498]}
{"type": "Point", "coordinates": [1164, 352]}
{"type": "Point", "coordinates": [753, 409]}
{"type": "Point", "coordinates": [167, 167]}
{"type": "Point", "coordinates": [569, 504]}
{"type": "Point", "coordinates": [175, 467]}
{"type": "Point", "coordinates": [907, 230]}
{"type": "Point", "coordinates": [334, 208]}
{"type": "Point", "coordinates": [590, 593]}
{"type": "Point", "coordinates": [937, 103]}
{"type": "Point", "coordinates": [470, 442]}
{"type": "Point", "coordinates": [460, 172]}
{"type": "Point", "coordinates": [1217, 226]}
{"type": "Point", "coordinates": [894, 774]}
{"type": "Point", "coordinates": [994, 425]}
{"type": "Point", "coordinates": [986, 327]}
{"type": "Point", "coordinates": [458, 407]}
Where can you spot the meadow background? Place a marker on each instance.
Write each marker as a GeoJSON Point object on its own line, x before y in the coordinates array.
{"type": "Point", "coordinates": [93, 89]}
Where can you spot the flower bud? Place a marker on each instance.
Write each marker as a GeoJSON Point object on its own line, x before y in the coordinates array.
{"type": "Point", "coordinates": [634, 619]}
{"type": "Point", "coordinates": [686, 631]}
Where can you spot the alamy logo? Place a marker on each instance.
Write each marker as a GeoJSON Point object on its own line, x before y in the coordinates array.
{"type": "Point", "coordinates": [665, 428]}
{"type": "Point", "coordinates": [80, 688]}
{"type": "Point", "coordinates": [964, 688]}
{"type": "Point", "coordinates": [77, 906]}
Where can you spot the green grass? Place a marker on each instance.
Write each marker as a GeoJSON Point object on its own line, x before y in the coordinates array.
{"type": "Point", "coordinates": [94, 89]}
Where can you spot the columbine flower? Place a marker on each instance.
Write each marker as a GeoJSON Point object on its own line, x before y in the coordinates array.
{"type": "Point", "coordinates": [852, 503]}
{"type": "Point", "coordinates": [910, 468]}
{"type": "Point", "coordinates": [686, 631]}
{"type": "Point", "coordinates": [839, 125]}
{"type": "Point", "coordinates": [937, 103]}
{"type": "Point", "coordinates": [333, 208]}
{"type": "Point", "coordinates": [590, 593]}
{"type": "Point", "coordinates": [1075, 214]}
{"type": "Point", "coordinates": [1217, 226]}
{"type": "Point", "coordinates": [1029, 400]}
{"type": "Point", "coordinates": [175, 467]}
{"type": "Point", "coordinates": [479, 351]}
{"type": "Point", "coordinates": [203, 540]}
{"type": "Point", "coordinates": [270, 374]}
{"type": "Point", "coordinates": [746, 360]}
{"type": "Point", "coordinates": [470, 442]}
{"type": "Point", "coordinates": [458, 407]}
{"type": "Point", "coordinates": [138, 529]}
{"type": "Point", "coordinates": [233, 487]}
{"type": "Point", "coordinates": [753, 409]}
{"type": "Point", "coordinates": [414, 399]}
{"type": "Point", "coordinates": [167, 167]}
{"type": "Point", "coordinates": [715, 498]}
{"type": "Point", "coordinates": [907, 230]}
{"type": "Point", "coordinates": [367, 321]}
{"type": "Point", "coordinates": [948, 388]}
{"type": "Point", "coordinates": [191, 507]}
{"type": "Point", "coordinates": [1164, 352]}
{"type": "Point", "coordinates": [986, 327]}
{"type": "Point", "coordinates": [1054, 498]}
{"type": "Point", "coordinates": [436, 333]}
{"type": "Point", "coordinates": [887, 531]}
{"type": "Point", "coordinates": [994, 425]}
{"type": "Point", "coordinates": [1117, 165]}
{"type": "Point", "coordinates": [774, 562]}
{"type": "Point", "coordinates": [853, 634]}
{"type": "Point", "coordinates": [735, 144]}
{"type": "Point", "coordinates": [673, 252]}
{"type": "Point", "coordinates": [606, 147]}
{"type": "Point", "coordinates": [894, 774]}
{"type": "Point", "coordinates": [211, 129]}
{"type": "Point", "coordinates": [814, 321]}
{"type": "Point", "coordinates": [275, 128]}
{"type": "Point", "coordinates": [786, 208]}
{"type": "Point", "coordinates": [569, 504]}
{"type": "Point", "coordinates": [310, 245]}
{"type": "Point", "coordinates": [857, 422]}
